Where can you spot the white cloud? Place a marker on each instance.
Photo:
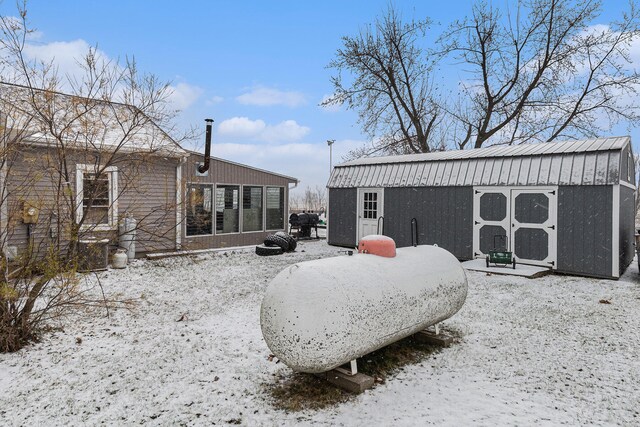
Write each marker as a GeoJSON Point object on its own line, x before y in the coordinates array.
{"type": "Point", "coordinates": [184, 95]}
{"type": "Point", "coordinates": [243, 127]}
{"type": "Point", "coordinates": [309, 162]}
{"type": "Point", "coordinates": [264, 96]}
{"type": "Point", "coordinates": [288, 130]}
{"type": "Point", "coordinates": [64, 55]}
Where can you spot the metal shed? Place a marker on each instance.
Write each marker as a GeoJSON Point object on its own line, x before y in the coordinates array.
{"type": "Point", "coordinates": [568, 206]}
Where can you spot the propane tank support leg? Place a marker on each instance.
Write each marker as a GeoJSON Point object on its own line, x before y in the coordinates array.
{"type": "Point", "coordinates": [348, 379]}
{"type": "Point", "coordinates": [353, 368]}
{"type": "Point", "coordinates": [430, 337]}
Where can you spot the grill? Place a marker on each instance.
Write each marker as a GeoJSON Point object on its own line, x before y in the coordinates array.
{"type": "Point", "coordinates": [303, 223]}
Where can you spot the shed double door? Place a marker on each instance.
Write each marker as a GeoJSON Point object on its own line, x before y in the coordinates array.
{"type": "Point", "coordinates": [526, 216]}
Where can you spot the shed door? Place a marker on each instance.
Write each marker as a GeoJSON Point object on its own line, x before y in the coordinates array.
{"type": "Point", "coordinates": [370, 206]}
{"type": "Point", "coordinates": [533, 226]}
{"type": "Point", "coordinates": [491, 219]}
{"type": "Point", "coordinates": [527, 216]}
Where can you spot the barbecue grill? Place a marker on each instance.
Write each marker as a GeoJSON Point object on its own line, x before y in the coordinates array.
{"type": "Point", "coordinates": [303, 223]}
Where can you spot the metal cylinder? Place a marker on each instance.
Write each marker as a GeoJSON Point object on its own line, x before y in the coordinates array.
{"type": "Point", "coordinates": [127, 236]}
{"type": "Point", "coordinates": [320, 314]}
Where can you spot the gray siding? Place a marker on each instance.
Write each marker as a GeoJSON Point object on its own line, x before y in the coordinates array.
{"type": "Point", "coordinates": [343, 216]}
{"type": "Point", "coordinates": [444, 216]}
{"type": "Point", "coordinates": [146, 189]}
{"type": "Point", "coordinates": [627, 227]}
{"type": "Point", "coordinates": [584, 230]}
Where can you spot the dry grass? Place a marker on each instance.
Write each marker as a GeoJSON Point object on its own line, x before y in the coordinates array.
{"type": "Point", "coordinates": [296, 391]}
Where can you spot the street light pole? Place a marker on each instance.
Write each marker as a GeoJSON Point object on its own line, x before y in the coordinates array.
{"type": "Point", "coordinates": [330, 144]}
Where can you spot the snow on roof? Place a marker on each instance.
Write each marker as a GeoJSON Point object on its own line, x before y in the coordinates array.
{"type": "Point", "coordinates": [587, 162]}
{"type": "Point", "coordinates": [84, 124]}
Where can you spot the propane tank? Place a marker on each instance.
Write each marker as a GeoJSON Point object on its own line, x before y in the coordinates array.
{"type": "Point", "coordinates": [317, 315]}
{"type": "Point", "coordinates": [127, 233]}
{"type": "Point", "coordinates": [119, 259]}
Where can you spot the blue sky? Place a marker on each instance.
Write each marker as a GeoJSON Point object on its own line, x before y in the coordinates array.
{"type": "Point", "coordinates": [258, 68]}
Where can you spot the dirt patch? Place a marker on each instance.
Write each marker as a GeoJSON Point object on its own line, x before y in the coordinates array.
{"type": "Point", "coordinates": [297, 391]}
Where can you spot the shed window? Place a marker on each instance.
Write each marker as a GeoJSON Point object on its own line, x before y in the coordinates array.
{"type": "Point", "coordinates": [199, 211]}
{"type": "Point", "coordinates": [275, 208]}
{"type": "Point", "coordinates": [227, 209]}
{"type": "Point", "coordinates": [252, 211]}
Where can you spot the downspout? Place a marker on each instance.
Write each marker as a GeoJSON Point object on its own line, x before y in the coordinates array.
{"type": "Point", "coordinates": [295, 184]}
{"type": "Point", "coordinates": [179, 204]}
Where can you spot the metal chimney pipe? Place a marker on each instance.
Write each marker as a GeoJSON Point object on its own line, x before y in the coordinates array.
{"type": "Point", "coordinates": [207, 148]}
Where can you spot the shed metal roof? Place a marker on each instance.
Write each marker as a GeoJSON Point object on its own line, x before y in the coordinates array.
{"type": "Point", "coordinates": [587, 162]}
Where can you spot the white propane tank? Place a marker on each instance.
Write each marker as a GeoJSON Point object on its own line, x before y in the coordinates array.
{"type": "Point", "coordinates": [318, 315]}
{"type": "Point", "coordinates": [127, 232]}
{"type": "Point", "coordinates": [119, 259]}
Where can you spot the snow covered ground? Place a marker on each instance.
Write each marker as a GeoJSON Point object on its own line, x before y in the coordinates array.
{"type": "Point", "coordinates": [542, 351]}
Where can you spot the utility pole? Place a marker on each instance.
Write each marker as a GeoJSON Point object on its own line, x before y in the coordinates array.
{"type": "Point", "coordinates": [330, 144]}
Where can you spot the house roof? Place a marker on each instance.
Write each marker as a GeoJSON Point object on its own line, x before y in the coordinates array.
{"type": "Point", "coordinates": [290, 178]}
{"type": "Point", "coordinates": [94, 124]}
{"type": "Point", "coordinates": [586, 162]}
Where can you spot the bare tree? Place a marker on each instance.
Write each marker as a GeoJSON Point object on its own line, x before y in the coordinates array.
{"type": "Point", "coordinates": [392, 89]}
{"type": "Point", "coordinates": [313, 200]}
{"type": "Point", "coordinates": [68, 160]}
{"type": "Point", "coordinates": [531, 70]}
{"type": "Point", "coordinates": [541, 71]}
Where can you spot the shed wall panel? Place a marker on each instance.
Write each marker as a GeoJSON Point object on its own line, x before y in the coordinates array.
{"type": "Point", "coordinates": [585, 230]}
{"type": "Point", "coordinates": [444, 216]}
{"type": "Point", "coordinates": [343, 216]}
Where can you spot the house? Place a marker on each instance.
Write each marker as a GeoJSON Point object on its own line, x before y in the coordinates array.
{"type": "Point", "coordinates": [232, 204]}
{"type": "Point", "coordinates": [568, 206]}
{"type": "Point", "coordinates": [73, 168]}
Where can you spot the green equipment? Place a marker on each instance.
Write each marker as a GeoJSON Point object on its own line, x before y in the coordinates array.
{"type": "Point", "coordinates": [500, 253]}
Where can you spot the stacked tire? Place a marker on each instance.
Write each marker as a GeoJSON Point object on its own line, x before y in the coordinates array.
{"type": "Point", "coordinates": [276, 244]}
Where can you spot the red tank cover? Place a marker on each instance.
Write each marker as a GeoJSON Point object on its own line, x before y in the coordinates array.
{"type": "Point", "coordinates": [376, 244]}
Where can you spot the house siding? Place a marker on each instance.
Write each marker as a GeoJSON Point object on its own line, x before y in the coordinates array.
{"type": "Point", "coordinates": [585, 230]}
{"type": "Point", "coordinates": [146, 185]}
{"type": "Point", "coordinates": [444, 217]}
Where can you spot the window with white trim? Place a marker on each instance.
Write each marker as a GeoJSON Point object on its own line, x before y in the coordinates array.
{"type": "Point", "coordinates": [96, 197]}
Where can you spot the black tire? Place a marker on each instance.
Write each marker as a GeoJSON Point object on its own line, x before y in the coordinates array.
{"type": "Point", "coordinates": [292, 242]}
{"type": "Point", "coordinates": [275, 240]}
{"type": "Point", "coordinates": [263, 250]}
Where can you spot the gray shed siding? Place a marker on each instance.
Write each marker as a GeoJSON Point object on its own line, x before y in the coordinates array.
{"type": "Point", "coordinates": [444, 217]}
{"type": "Point", "coordinates": [585, 230]}
{"type": "Point", "coordinates": [627, 227]}
{"type": "Point", "coordinates": [343, 216]}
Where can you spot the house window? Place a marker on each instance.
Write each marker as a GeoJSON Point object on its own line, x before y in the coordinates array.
{"type": "Point", "coordinates": [252, 208]}
{"type": "Point", "coordinates": [227, 209]}
{"type": "Point", "coordinates": [199, 210]}
{"type": "Point", "coordinates": [97, 206]}
{"type": "Point", "coordinates": [275, 208]}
